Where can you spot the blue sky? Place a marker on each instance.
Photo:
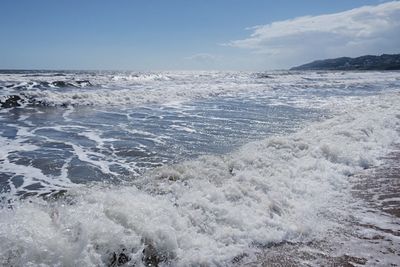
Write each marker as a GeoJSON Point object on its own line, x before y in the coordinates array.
{"type": "Point", "coordinates": [191, 34]}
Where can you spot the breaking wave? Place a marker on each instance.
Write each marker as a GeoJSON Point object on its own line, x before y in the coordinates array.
{"type": "Point", "coordinates": [212, 211]}
{"type": "Point", "coordinates": [119, 89]}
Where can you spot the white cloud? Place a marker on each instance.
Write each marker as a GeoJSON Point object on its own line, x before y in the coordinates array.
{"type": "Point", "coordinates": [364, 30]}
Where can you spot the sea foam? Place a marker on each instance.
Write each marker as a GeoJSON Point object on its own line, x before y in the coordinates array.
{"type": "Point", "coordinates": [211, 211]}
{"type": "Point", "coordinates": [125, 88]}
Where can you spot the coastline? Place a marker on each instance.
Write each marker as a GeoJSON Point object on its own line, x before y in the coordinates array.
{"type": "Point", "coordinates": [370, 236]}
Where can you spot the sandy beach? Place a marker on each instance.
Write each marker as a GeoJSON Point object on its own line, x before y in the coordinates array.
{"type": "Point", "coordinates": [373, 240]}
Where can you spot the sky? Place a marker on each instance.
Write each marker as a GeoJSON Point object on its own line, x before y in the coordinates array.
{"type": "Point", "coordinates": [150, 35]}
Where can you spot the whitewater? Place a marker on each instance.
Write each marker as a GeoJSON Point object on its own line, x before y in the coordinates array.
{"type": "Point", "coordinates": [194, 168]}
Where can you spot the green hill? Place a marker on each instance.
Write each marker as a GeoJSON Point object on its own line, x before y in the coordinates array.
{"type": "Point", "coordinates": [383, 62]}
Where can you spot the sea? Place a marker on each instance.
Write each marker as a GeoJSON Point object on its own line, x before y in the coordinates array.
{"type": "Point", "coordinates": [199, 168]}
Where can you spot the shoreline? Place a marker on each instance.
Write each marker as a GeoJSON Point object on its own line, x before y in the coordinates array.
{"type": "Point", "coordinates": [371, 236]}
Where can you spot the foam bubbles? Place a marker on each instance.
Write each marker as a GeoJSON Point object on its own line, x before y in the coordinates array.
{"type": "Point", "coordinates": [213, 209]}
{"type": "Point", "coordinates": [126, 88]}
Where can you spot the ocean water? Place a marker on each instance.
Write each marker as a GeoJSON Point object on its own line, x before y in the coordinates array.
{"type": "Point", "coordinates": [184, 168]}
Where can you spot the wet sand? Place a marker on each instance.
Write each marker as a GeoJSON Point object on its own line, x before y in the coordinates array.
{"type": "Point", "coordinates": [369, 237]}
{"type": "Point", "coordinates": [382, 190]}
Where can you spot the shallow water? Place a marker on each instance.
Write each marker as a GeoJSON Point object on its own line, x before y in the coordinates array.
{"type": "Point", "coordinates": [195, 167]}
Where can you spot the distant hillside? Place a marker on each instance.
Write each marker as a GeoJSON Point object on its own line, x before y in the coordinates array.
{"type": "Point", "coordinates": [383, 62]}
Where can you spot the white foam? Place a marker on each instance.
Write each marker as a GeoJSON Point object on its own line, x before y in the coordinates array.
{"type": "Point", "coordinates": [210, 210]}
{"type": "Point", "coordinates": [31, 175]}
{"type": "Point", "coordinates": [183, 128]}
{"type": "Point", "coordinates": [177, 87]}
{"type": "Point", "coordinates": [67, 113]}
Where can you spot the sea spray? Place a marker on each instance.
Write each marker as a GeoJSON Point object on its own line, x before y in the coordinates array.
{"type": "Point", "coordinates": [211, 210]}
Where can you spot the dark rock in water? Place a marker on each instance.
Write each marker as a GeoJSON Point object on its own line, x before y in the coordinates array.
{"type": "Point", "coordinates": [119, 259]}
{"type": "Point", "coordinates": [239, 258]}
{"type": "Point", "coordinates": [62, 84]}
{"type": "Point", "coordinates": [231, 171]}
{"type": "Point", "coordinates": [59, 83]}
{"type": "Point", "coordinates": [83, 83]}
{"type": "Point", "coordinates": [151, 257]}
{"type": "Point", "coordinates": [11, 101]}
{"type": "Point", "coordinates": [32, 100]}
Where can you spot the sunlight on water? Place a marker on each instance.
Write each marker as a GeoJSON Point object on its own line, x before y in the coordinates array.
{"type": "Point", "coordinates": [183, 168]}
